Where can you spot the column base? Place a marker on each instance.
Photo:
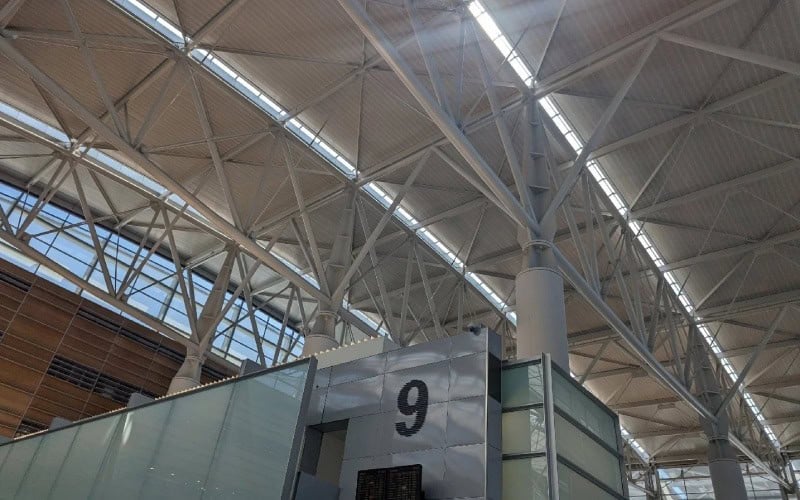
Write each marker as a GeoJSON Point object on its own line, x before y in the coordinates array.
{"type": "Point", "coordinates": [316, 342]}
{"type": "Point", "coordinates": [541, 317]}
{"type": "Point", "coordinates": [726, 478]}
{"type": "Point", "coordinates": [180, 384]}
{"type": "Point", "coordinates": [188, 375]}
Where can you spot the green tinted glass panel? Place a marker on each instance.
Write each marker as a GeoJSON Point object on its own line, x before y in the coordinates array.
{"type": "Point", "coordinates": [587, 454]}
{"type": "Point", "coordinates": [134, 452]}
{"type": "Point", "coordinates": [525, 479]}
{"type": "Point", "coordinates": [571, 485]}
{"type": "Point", "coordinates": [584, 410]}
{"type": "Point", "coordinates": [183, 458]}
{"type": "Point", "coordinates": [263, 411]}
{"type": "Point", "coordinates": [81, 467]}
{"type": "Point", "coordinates": [16, 465]}
{"type": "Point", "coordinates": [230, 440]}
{"type": "Point", "coordinates": [522, 385]}
{"type": "Point", "coordinates": [39, 480]}
{"type": "Point", "coordinates": [523, 431]}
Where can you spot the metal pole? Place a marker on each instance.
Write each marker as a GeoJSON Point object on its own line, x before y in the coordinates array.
{"type": "Point", "coordinates": [793, 478]}
{"type": "Point", "coordinates": [188, 375]}
{"type": "Point", "coordinates": [723, 465]}
{"type": "Point", "coordinates": [550, 428]}
{"type": "Point", "coordinates": [541, 314]}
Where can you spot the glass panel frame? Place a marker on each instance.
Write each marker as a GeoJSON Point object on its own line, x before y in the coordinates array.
{"type": "Point", "coordinates": [537, 387]}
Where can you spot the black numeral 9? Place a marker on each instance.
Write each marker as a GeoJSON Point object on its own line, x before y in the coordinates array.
{"type": "Point", "coordinates": [419, 409]}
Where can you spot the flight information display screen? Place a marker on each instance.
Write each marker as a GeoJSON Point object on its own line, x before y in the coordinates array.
{"type": "Point", "coordinates": [390, 483]}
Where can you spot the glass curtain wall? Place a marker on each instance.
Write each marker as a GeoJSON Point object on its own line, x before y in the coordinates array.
{"type": "Point", "coordinates": [694, 483]}
{"type": "Point", "coordinates": [64, 237]}
{"type": "Point", "coordinates": [584, 435]}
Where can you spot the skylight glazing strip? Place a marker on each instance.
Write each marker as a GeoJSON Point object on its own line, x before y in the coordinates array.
{"type": "Point", "coordinates": [499, 39]}
{"type": "Point", "coordinates": [96, 156]}
{"type": "Point", "coordinates": [570, 133]}
{"type": "Point", "coordinates": [75, 250]}
{"type": "Point", "coordinates": [302, 132]}
{"type": "Point", "coordinates": [268, 104]}
{"type": "Point", "coordinates": [66, 240]}
{"type": "Point", "coordinates": [99, 158]}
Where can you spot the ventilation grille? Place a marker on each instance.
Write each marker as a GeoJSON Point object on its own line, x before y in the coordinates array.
{"type": "Point", "coordinates": [28, 426]}
{"type": "Point", "coordinates": [92, 380]}
{"type": "Point", "coordinates": [15, 282]}
{"type": "Point", "coordinates": [96, 319]}
{"type": "Point", "coordinates": [159, 349]}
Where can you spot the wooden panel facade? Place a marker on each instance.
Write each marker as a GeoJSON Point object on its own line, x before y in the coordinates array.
{"type": "Point", "coordinates": [64, 356]}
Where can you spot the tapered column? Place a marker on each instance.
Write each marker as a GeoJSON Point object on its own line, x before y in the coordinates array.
{"type": "Point", "coordinates": [188, 375]}
{"type": "Point", "coordinates": [723, 464]}
{"type": "Point", "coordinates": [322, 334]}
{"type": "Point", "coordinates": [541, 317]}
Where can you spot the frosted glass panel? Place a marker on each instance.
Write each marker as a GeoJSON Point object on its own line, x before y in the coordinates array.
{"type": "Point", "coordinates": [264, 411]}
{"type": "Point", "coordinates": [40, 479]}
{"type": "Point", "coordinates": [526, 479]}
{"type": "Point", "coordinates": [587, 454]}
{"type": "Point", "coordinates": [184, 456]}
{"type": "Point", "coordinates": [132, 455]}
{"type": "Point", "coordinates": [15, 466]}
{"type": "Point", "coordinates": [236, 439]}
{"type": "Point", "coordinates": [3, 454]}
{"type": "Point", "coordinates": [583, 409]}
{"type": "Point", "coordinates": [523, 431]}
{"type": "Point", "coordinates": [81, 467]}
{"type": "Point", "coordinates": [522, 385]}
{"type": "Point", "coordinates": [573, 485]}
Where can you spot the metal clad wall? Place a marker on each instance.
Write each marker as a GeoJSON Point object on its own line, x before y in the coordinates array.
{"type": "Point", "coordinates": [450, 442]}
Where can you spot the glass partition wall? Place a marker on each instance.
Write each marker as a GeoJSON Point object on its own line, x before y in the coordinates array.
{"type": "Point", "coordinates": [559, 441]}
{"type": "Point", "coordinates": [233, 439]}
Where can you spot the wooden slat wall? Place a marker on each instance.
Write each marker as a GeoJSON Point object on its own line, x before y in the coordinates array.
{"type": "Point", "coordinates": [41, 322]}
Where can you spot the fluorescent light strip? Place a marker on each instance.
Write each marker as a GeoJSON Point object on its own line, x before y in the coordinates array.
{"type": "Point", "coordinates": [571, 135]}
{"type": "Point", "coordinates": [254, 94]}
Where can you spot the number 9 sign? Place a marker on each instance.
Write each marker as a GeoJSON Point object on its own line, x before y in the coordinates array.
{"type": "Point", "coordinates": [419, 408]}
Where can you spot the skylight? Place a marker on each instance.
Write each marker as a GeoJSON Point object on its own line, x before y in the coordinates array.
{"type": "Point", "coordinates": [500, 41]}
{"type": "Point", "coordinates": [63, 237]}
{"type": "Point", "coordinates": [256, 95]}
{"type": "Point", "coordinates": [305, 134]}
{"type": "Point", "coordinates": [572, 136]}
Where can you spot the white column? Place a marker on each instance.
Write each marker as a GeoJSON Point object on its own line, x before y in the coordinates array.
{"type": "Point", "coordinates": [541, 316]}
{"type": "Point", "coordinates": [322, 335]}
{"type": "Point", "coordinates": [188, 375]}
{"type": "Point", "coordinates": [541, 319]}
{"type": "Point", "coordinates": [723, 464]}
